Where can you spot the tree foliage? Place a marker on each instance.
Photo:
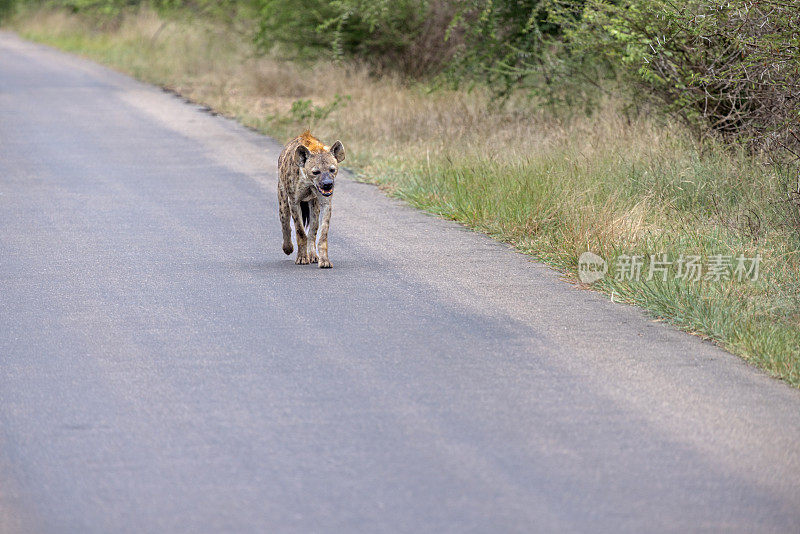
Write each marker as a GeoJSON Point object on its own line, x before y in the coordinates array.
{"type": "Point", "coordinates": [6, 8]}
{"type": "Point", "coordinates": [384, 33]}
{"type": "Point", "coordinates": [727, 67]}
{"type": "Point", "coordinates": [506, 42]}
{"type": "Point", "coordinates": [731, 67]}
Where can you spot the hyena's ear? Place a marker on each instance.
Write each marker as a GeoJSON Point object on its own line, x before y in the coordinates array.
{"type": "Point", "coordinates": [338, 151]}
{"type": "Point", "coordinates": [301, 155]}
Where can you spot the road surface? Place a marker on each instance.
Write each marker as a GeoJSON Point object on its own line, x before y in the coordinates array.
{"type": "Point", "coordinates": [165, 368]}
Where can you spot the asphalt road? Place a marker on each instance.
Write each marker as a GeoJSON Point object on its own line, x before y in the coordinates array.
{"type": "Point", "coordinates": [165, 368]}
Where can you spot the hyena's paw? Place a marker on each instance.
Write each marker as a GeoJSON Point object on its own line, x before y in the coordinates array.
{"type": "Point", "coordinates": [288, 248]}
{"type": "Point", "coordinates": [325, 263]}
{"type": "Point", "coordinates": [312, 257]}
{"type": "Point", "coordinates": [302, 259]}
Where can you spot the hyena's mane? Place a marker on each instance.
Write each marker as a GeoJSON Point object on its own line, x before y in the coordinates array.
{"type": "Point", "coordinates": [313, 144]}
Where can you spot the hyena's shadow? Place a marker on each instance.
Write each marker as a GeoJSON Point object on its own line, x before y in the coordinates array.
{"type": "Point", "coordinates": [282, 264]}
{"type": "Point", "coordinates": [261, 266]}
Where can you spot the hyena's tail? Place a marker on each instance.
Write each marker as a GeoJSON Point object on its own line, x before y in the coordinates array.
{"type": "Point", "coordinates": [306, 212]}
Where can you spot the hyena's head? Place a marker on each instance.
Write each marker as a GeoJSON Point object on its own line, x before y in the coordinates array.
{"type": "Point", "coordinates": [319, 164]}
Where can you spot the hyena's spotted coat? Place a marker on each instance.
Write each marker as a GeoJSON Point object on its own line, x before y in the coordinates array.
{"type": "Point", "coordinates": [307, 169]}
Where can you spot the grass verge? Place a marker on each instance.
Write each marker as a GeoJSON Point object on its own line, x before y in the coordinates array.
{"type": "Point", "coordinates": [552, 184]}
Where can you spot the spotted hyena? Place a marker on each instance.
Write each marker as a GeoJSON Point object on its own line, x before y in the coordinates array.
{"type": "Point", "coordinates": [307, 170]}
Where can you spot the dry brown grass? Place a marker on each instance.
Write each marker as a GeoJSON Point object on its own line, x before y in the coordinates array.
{"type": "Point", "coordinates": [385, 116]}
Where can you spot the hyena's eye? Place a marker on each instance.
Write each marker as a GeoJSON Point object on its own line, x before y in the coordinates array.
{"type": "Point", "coordinates": [333, 170]}
{"type": "Point", "coordinates": [315, 172]}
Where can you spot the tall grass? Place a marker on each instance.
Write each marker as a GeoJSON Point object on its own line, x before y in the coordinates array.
{"type": "Point", "coordinates": [552, 184]}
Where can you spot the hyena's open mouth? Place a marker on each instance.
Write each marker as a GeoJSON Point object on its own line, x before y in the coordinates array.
{"type": "Point", "coordinates": [326, 190]}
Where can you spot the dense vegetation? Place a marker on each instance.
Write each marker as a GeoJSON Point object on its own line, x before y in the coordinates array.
{"type": "Point", "coordinates": [727, 67]}
{"type": "Point", "coordinates": [629, 128]}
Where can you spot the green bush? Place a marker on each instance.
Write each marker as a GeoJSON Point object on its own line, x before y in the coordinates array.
{"type": "Point", "coordinates": [505, 41]}
{"type": "Point", "coordinates": [521, 44]}
{"type": "Point", "coordinates": [7, 8]}
{"type": "Point", "coordinates": [728, 67]}
{"type": "Point", "coordinates": [105, 11]}
{"type": "Point", "coordinates": [400, 35]}
{"type": "Point", "coordinates": [98, 7]}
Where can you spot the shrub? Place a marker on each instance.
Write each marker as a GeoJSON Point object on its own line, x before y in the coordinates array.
{"type": "Point", "coordinates": [513, 44]}
{"type": "Point", "coordinates": [7, 8]}
{"type": "Point", "coordinates": [729, 67]}
{"type": "Point", "coordinates": [98, 7]}
{"type": "Point", "coordinates": [506, 40]}
{"type": "Point", "coordinates": [402, 35]}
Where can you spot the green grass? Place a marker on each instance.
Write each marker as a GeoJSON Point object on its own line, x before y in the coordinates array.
{"type": "Point", "coordinates": [554, 186]}
{"type": "Point", "coordinates": [543, 207]}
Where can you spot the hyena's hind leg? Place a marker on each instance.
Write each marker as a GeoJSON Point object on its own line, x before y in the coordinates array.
{"type": "Point", "coordinates": [285, 215]}
{"type": "Point", "coordinates": [312, 231]}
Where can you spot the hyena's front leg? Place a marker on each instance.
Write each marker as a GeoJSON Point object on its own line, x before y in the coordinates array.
{"type": "Point", "coordinates": [324, 262]}
{"type": "Point", "coordinates": [313, 206]}
{"type": "Point", "coordinates": [285, 214]}
{"type": "Point", "coordinates": [300, 232]}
